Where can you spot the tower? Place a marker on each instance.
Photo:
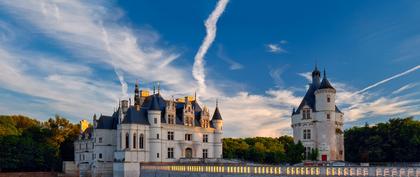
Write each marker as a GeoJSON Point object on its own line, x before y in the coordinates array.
{"type": "Point", "coordinates": [317, 122]}
{"type": "Point", "coordinates": [217, 122]}
{"type": "Point", "coordinates": [154, 117]}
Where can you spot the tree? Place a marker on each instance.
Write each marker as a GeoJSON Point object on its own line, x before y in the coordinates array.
{"type": "Point", "coordinates": [397, 140]}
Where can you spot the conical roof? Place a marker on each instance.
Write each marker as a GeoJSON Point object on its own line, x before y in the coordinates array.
{"type": "Point", "coordinates": [154, 104]}
{"type": "Point", "coordinates": [325, 84]}
{"type": "Point", "coordinates": [217, 115]}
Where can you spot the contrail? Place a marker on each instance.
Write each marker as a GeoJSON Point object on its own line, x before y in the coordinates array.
{"type": "Point", "coordinates": [124, 87]}
{"type": "Point", "coordinates": [210, 24]}
{"type": "Point", "coordinates": [388, 79]}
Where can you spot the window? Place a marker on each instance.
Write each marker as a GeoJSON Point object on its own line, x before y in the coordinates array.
{"type": "Point", "coordinates": [120, 140]}
{"type": "Point", "coordinates": [86, 146]}
{"type": "Point", "coordinates": [141, 141]}
{"type": "Point", "coordinates": [100, 155]}
{"type": "Point", "coordinates": [157, 155]}
{"type": "Point", "coordinates": [328, 99]}
{"type": "Point", "coordinates": [205, 138]}
{"type": "Point", "coordinates": [188, 137]}
{"type": "Point", "coordinates": [100, 139]}
{"type": "Point", "coordinates": [306, 134]}
{"type": "Point", "coordinates": [127, 139]}
{"type": "Point", "coordinates": [205, 154]}
{"type": "Point", "coordinates": [306, 114]}
{"type": "Point", "coordinates": [134, 140]}
{"type": "Point", "coordinates": [170, 153]}
{"type": "Point", "coordinates": [328, 116]}
{"type": "Point", "coordinates": [157, 136]}
{"type": "Point", "coordinates": [80, 146]}
{"type": "Point", "coordinates": [170, 135]}
{"type": "Point", "coordinates": [155, 120]}
{"type": "Point", "coordinates": [171, 119]}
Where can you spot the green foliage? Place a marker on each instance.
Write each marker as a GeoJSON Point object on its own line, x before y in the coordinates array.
{"type": "Point", "coordinates": [398, 140]}
{"type": "Point", "coordinates": [262, 149]}
{"type": "Point", "coordinates": [29, 145]}
{"type": "Point", "coordinates": [313, 155]}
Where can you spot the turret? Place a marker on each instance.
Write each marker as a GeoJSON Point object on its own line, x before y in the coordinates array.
{"type": "Point", "coordinates": [154, 117]}
{"type": "Point", "coordinates": [316, 77]}
{"type": "Point", "coordinates": [154, 112]}
{"type": "Point", "coordinates": [217, 119]}
{"type": "Point", "coordinates": [325, 96]}
{"type": "Point", "coordinates": [217, 122]}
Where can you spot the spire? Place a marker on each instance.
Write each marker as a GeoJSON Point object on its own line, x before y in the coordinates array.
{"type": "Point", "coordinates": [158, 88]}
{"type": "Point", "coordinates": [136, 95]}
{"type": "Point", "coordinates": [217, 115]}
{"type": "Point", "coordinates": [154, 88]}
{"type": "Point", "coordinates": [325, 84]}
{"type": "Point", "coordinates": [316, 75]}
{"type": "Point", "coordinates": [195, 96]}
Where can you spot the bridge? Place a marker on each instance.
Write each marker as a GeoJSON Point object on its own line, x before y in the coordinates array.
{"type": "Point", "coordinates": [236, 170]}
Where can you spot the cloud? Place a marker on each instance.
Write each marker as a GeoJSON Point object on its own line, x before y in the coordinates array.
{"type": "Point", "coordinates": [222, 55]}
{"type": "Point", "coordinates": [275, 48]}
{"type": "Point", "coordinates": [66, 92]}
{"type": "Point", "coordinates": [198, 67]}
{"type": "Point", "coordinates": [307, 76]}
{"type": "Point", "coordinates": [404, 88]}
{"type": "Point", "coordinates": [276, 75]}
{"type": "Point", "coordinates": [389, 79]}
{"type": "Point", "coordinates": [91, 31]}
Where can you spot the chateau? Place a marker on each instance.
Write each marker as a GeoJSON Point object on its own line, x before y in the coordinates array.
{"type": "Point", "coordinates": [152, 129]}
{"type": "Point", "coordinates": [317, 122]}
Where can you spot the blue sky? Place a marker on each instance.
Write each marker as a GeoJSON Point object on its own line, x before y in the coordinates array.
{"type": "Point", "coordinates": [75, 58]}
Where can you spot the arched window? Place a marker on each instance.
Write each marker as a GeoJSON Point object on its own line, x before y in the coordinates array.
{"type": "Point", "coordinates": [127, 139]}
{"type": "Point", "coordinates": [141, 141]}
{"type": "Point", "coordinates": [134, 141]}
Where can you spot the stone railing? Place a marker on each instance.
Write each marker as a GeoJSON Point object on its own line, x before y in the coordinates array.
{"type": "Point", "coordinates": [286, 171]}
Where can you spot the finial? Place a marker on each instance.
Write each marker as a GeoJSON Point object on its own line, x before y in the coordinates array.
{"type": "Point", "coordinates": [158, 87]}
{"type": "Point", "coordinates": [154, 88]}
{"type": "Point", "coordinates": [195, 95]}
{"type": "Point", "coordinates": [325, 73]}
{"type": "Point", "coordinates": [217, 102]}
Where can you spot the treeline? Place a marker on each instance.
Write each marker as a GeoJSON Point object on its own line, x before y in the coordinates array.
{"type": "Point", "coordinates": [397, 140]}
{"type": "Point", "coordinates": [264, 150]}
{"type": "Point", "coordinates": [27, 144]}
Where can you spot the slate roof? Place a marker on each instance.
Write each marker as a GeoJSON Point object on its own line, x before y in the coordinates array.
{"type": "Point", "coordinates": [152, 102]}
{"type": "Point", "coordinates": [309, 98]}
{"type": "Point", "coordinates": [107, 122]}
{"type": "Point", "coordinates": [325, 83]}
{"type": "Point", "coordinates": [216, 115]}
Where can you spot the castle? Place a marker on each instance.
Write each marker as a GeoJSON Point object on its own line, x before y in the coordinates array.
{"type": "Point", "coordinates": [317, 122]}
{"type": "Point", "coordinates": [153, 129]}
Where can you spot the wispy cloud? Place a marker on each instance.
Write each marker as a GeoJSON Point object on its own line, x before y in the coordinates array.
{"type": "Point", "coordinates": [404, 88]}
{"type": "Point", "coordinates": [211, 27]}
{"type": "Point", "coordinates": [389, 79]}
{"type": "Point", "coordinates": [306, 75]}
{"type": "Point", "coordinates": [233, 65]}
{"type": "Point", "coordinates": [275, 48]}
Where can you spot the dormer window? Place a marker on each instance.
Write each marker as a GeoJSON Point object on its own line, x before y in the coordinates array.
{"type": "Point", "coordinates": [306, 113]}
